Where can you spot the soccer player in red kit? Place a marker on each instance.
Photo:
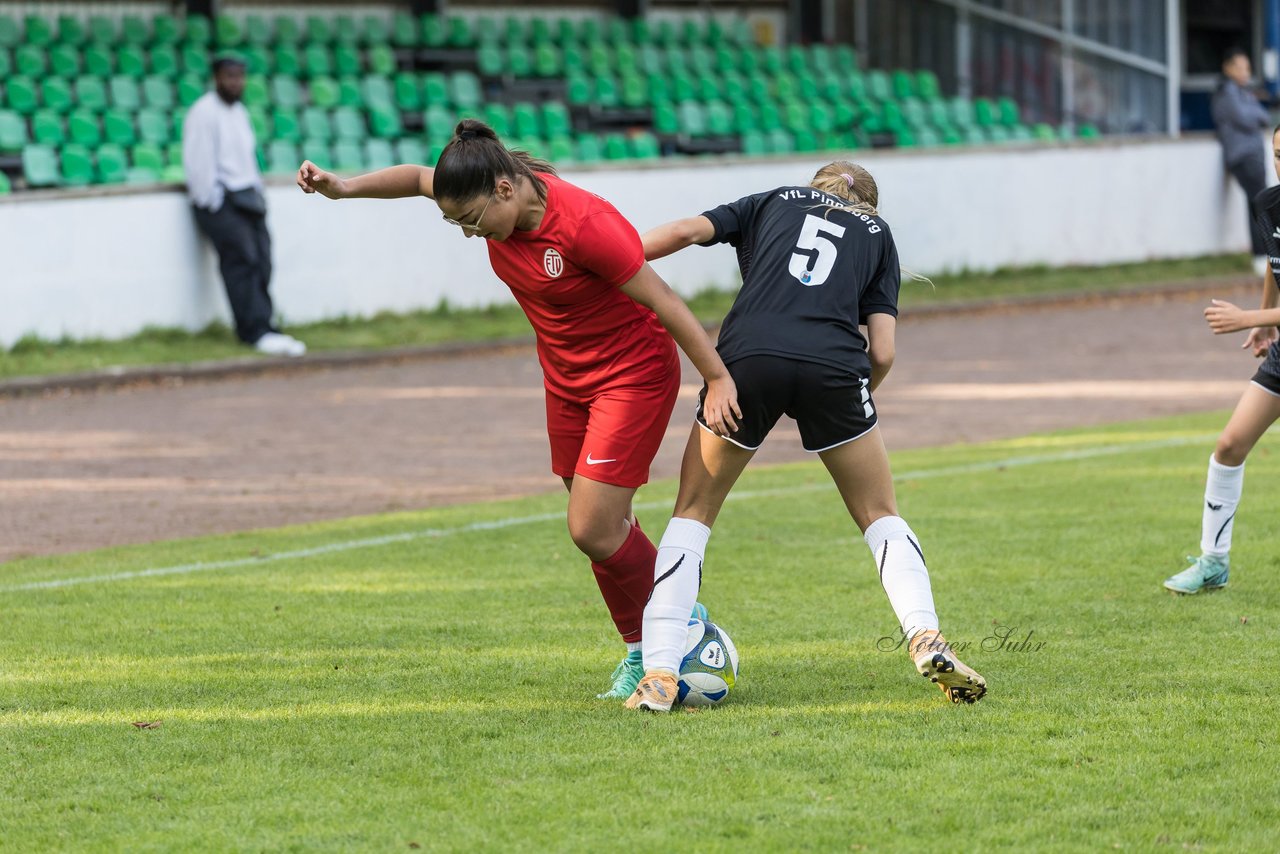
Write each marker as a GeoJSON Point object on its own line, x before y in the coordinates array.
{"type": "Point", "coordinates": [602, 318]}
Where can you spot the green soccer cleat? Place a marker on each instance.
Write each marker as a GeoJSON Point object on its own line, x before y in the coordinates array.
{"type": "Point", "coordinates": [700, 612]}
{"type": "Point", "coordinates": [1207, 573]}
{"type": "Point", "coordinates": [626, 676]}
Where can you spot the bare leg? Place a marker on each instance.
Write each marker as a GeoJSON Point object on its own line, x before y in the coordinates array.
{"type": "Point", "coordinates": [1257, 410]}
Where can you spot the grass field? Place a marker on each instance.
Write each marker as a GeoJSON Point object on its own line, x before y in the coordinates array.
{"type": "Point", "coordinates": [35, 357]}
{"type": "Point", "coordinates": [425, 680]}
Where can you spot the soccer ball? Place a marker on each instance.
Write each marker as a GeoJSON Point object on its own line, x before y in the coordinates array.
{"type": "Point", "coordinates": [710, 666]}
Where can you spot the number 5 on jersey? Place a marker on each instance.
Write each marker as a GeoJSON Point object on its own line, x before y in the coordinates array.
{"type": "Point", "coordinates": [813, 270]}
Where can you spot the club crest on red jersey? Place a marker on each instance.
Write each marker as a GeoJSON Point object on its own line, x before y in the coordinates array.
{"type": "Point", "coordinates": [553, 263]}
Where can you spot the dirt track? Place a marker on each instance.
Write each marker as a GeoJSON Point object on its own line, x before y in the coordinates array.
{"type": "Point", "coordinates": [84, 470]}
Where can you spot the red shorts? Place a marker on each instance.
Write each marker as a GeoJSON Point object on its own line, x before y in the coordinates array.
{"type": "Point", "coordinates": [614, 437]}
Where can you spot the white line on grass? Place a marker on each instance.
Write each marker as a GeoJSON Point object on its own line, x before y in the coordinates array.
{"type": "Point", "coordinates": [515, 521]}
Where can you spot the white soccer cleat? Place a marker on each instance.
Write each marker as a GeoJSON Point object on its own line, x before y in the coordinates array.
{"type": "Point", "coordinates": [279, 344]}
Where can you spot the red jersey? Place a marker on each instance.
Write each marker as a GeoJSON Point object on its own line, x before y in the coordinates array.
{"type": "Point", "coordinates": [566, 276]}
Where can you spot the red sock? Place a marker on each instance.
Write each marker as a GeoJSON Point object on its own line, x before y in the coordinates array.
{"type": "Point", "coordinates": [626, 580]}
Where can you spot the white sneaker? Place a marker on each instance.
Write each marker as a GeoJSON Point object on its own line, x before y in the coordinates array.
{"type": "Point", "coordinates": [279, 344]}
{"type": "Point", "coordinates": [1260, 263]}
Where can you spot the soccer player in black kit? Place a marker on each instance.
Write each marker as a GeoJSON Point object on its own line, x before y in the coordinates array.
{"type": "Point", "coordinates": [817, 263]}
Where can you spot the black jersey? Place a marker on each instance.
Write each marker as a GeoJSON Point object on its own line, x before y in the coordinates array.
{"type": "Point", "coordinates": [1267, 204]}
{"type": "Point", "coordinates": [811, 273]}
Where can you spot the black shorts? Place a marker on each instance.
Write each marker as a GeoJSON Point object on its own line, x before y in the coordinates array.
{"type": "Point", "coordinates": [1268, 375]}
{"type": "Point", "coordinates": [831, 405]}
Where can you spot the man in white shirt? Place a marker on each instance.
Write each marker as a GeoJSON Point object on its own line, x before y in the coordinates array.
{"type": "Point", "coordinates": [226, 191]}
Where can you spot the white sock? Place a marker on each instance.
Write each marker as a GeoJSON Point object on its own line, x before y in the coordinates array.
{"type": "Point", "coordinates": [903, 574]}
{"type": "Point", "coordinates": [677, 576]}
{"type": "Point", "coordinates": [1222, 491]}
{"type": "Point", "coordinates": [632, 647]}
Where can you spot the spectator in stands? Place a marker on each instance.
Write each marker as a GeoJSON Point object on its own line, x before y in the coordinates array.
{"type": "Point", "coordinates": [1239, 118]}
{"type": "Point", "coordinates": [226, 191]}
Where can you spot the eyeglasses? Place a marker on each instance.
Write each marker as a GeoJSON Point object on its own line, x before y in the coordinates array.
{"type": "Point", "coordinates": [475, 227]}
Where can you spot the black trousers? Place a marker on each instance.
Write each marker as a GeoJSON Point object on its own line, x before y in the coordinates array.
{"type": "Point", "coordinates": [243, 245]}
{"type": "Point", "coordinates": [1251, 175]}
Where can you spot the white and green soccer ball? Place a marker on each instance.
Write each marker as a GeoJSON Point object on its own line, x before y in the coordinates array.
{"type": "Point", "coordinates": [710, 666]}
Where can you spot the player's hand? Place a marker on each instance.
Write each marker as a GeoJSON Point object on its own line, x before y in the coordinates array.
{"type": "Point", "coordinates": [1223, 317]}
{"type": "Point", "coordinates": [1260, 339]}
{"type": "Point", "coordinates": [720, 407]}
{"type": "Point", "coordinates": [313, 179]}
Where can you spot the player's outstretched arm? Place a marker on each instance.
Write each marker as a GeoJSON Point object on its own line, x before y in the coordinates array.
{"type": "Point", "coordinates": [394, 182]}
{"type": "Point", "coordinates": [720, 409]}
{"type": "Point", "coordinates": [1224, 317]}
{"type": "Point", "coordinates": [881, 329]}
{"type": "Point", "coordinates": [674, 236]}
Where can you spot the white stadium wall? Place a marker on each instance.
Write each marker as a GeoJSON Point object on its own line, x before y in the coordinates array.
{"type": "Point", "coordinates": [108, 264]}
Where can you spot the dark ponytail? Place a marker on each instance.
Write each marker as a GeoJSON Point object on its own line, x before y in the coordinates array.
{"type": "Point", "coordinates": [475, 159]}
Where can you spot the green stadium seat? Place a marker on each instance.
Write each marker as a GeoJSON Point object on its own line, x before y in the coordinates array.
{"type": "Point", "coordinates": [633, 91]}
{"type": "Point", "coordinates": [125, 94]}
{"type": "Point", "coordinates": [38, 30]}
{"type": "Point", "coordinates": [615, 147]}
{"type": "Point", "coordinates": [318, 30]}
{"type": "Point", "coordinates": [490, 60]}
{"type": "Point", "coordinates": [709, 88]}
{"type": "Point", "coordinates": [31, 61]}
{"type": "Point", "coordinates": [165, 30]}
{"type": "Point", "coordinates": [173, 154]}
{"type": "Point", "coordinates": [190, 88]}
{"type": "Point", "coordinates": [131, 60]}
{"type": "Point", "coordinates": [374, 32]}
{"type": "Point", "coordinates": [13, 132]}
{"type": "Point", "coordinates": [56, 94]}
{"type": "Point", "coordinates": [555, 119]}
{"type": "Point", "coordinates": [285, 30]}
{"type": "Point", "coordinates": [464, 90]}
{"type": "Point", "coordinates": [525, 120]}
{"type": "Point", "coordinates": [142, 176]}
{"type": "Point", "coordinates": [435, 89]}
{"type": "Point", "coordinates": [158, 92]}
{"type": "Point", "coordinates": [753, 143]}
{"type": "Point", "coordinates": [287, 60]}
{"type": "Point", "coordinates": [1021, 133]}
{"type": "Point", "coordinates": [432, 31]}
{"type": "Point", "coordinates": [324, 92]}
{"type": "Point", "coordinates": [382, 60]}
{"type": "Point", "coordinates": [385, 123]}
{"type": "Point", "coordinates": [411, 150]}
{"type": "Point", "coordinates": [719, 118]}
{"type": "Point", "coordinates": [163, 61]}
{"type": "Point", "coordinates": [47, 128]}
{"type": "Point", "coordinates": [64, 60]}
{"type": "Point", "coordinates": [644, 146]}
{"type": "Point", "coordinates": [285, 91]}
{"type": "Point", "coordinates": [71, 31]}
{"type": "Point", "coordinates": [346, 59]}
{"type": "Point", "coordinates": [192, 59]}
{"type": "Point", "coordinates": [154, 125]}
{"type": "Point", "coordinates": [962, 113]}
{"type": "Point", "coordinates": [228, 32]}
{"type": "Point", "coordinates": [984, 112]}
{"type": "Point", "coordinates": [998, 133]}
{"type": "Point", "coordinates": [926, 84]}
{"type": "Point", "coordinates": [198, 30]}
{"type": "Point", "coordinates": [376, 93]}
{"type": "Point", "coordinates": [259, 121]}
{"type": "Point", "coordinates": [285, 125]}
{"type": "Point", "coordinates": [578, 90]}
{"type": "Point", "coordinates": [257, 31]}
{"type": "Point", "coordinates": [5, 186]}
{"type": "Point", "coordinates": [40, 166]}
{"type": "Point", "coordinates": [378, 154]}
{"type": "Point", "coordinates": [1088, 131]}
{"type": "Point", "coordinates": [438, 124]}
{"type": "Point", "coordinates": [91, 93]}
{"type": "Point", "coordinates": [560, 149]}
{"type": "Point", "coordinates": [133, 30]}
{"type": "Point", "coordinates": [315, 150]}
{"type": "Point", "coordinates": [498, 117]}
{"type": "Point", "coordinates": [519, 61]}
{"type": "Point", "coordinates": [113, 164]}
{"type": "Point", "coordinates": [348, 125]}
{"type": "Point", "coordinates": [10, 32]}
{"type": "Point", "coordinates": [587, 149]}
{"type": "Point", "coordinates": [779, 141]}
{"type": "Point", "coordinates": [257, 60]}
{"type": "Point", "coordinates": [606, 91]}
{"type": "Point", "coordinates": [666, 119]}
{"type": "Point", "coordinates": [84, 128]}
{"type": "Point", "coordinates": [406, 89]}
{"type": "Point", "coordinates": [349, 93]}
{"type": "Point", "coordinates": [348, 156]}
{"type": "Point", "coordinates": [693, 118]}
{"type": "Point", "coordinates": [540, 31]}
{"type": "Point", "coordinates": [405, 30]}
{"type": "Point", "coordinates": [283, 158]}
{"type": "Point", "coordinates": [6, 64]}
{"type": "Point", "coordinates": [76, 163]}
{"type": "Point", "coordinates": [1007, 112]}
{"type": "Point", "coordinates": [317, 60]}
{"type": "Point", "coordinates": [118, 127]}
